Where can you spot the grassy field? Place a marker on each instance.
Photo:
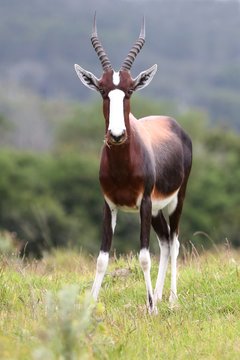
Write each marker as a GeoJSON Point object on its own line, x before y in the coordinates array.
{"type": "Point", "coordinates": [46, 312]}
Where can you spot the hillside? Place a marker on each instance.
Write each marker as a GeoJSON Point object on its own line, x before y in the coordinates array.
{"type": "Point", "coordinates": [195, 43]}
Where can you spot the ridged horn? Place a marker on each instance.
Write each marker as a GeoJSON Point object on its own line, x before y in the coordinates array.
{"type": "Point", "coordinates": [106, 65]}
{"type": "Point", "coordinates": [127, 64]}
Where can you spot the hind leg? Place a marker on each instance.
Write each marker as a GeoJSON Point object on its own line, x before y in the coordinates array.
{"type": "Point", "coordinates": [144, 255]}
{"type": "Point", "coordinates": [174, 250]}
{"type": "Point", "coordinates": [160, 227]}
{"type": "Point", "coordinates": [175, 211]}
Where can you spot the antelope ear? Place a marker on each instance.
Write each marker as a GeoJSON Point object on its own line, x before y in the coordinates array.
{"type": "Point", "coordinates": [144, 78]}
{"type": "Point", "coordinates": [87, 78]}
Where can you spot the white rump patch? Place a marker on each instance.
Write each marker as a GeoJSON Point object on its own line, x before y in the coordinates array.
{"type": "Point", "coordinates": [116, 116]}
{"type": "Point", "coordinates": [116, 78]}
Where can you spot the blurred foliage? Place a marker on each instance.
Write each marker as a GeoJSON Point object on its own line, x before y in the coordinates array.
{"type": "Point", "coordinates": [6, 128]}
{"type": "Point", "coordinates": [54, 199]}
{"type": "Point", "coordinates": [44, 200]}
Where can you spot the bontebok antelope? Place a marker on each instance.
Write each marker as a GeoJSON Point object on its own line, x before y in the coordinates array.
{"type": "Point", "coordinates": [145, 165]}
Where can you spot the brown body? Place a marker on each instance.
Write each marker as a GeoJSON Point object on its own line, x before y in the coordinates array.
{"type": "Point", "coordinates": [152, 161]}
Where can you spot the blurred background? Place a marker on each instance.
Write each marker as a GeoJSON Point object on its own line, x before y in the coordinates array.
{"type": "Point", "coordinates": [52, 128]}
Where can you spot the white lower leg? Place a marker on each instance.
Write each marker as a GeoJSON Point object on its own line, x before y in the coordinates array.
{"type": "Point", "coordinates": [145, 262]}
{"type": "Point", "coordinates": [164, 256]}
{"type": "Point", "coordinates": [102, 263]}
{"type": "Point", "coordinates": [174, 250]}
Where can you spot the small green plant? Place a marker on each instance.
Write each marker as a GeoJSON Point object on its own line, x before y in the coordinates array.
{"type": "Point", "coordinates": [71, 329]}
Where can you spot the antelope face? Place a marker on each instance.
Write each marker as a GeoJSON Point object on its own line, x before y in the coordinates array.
{"type": "Point", "coordinates": [116, 88]}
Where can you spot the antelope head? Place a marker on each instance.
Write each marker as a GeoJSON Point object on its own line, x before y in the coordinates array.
{"type": "Point", "coordinates": [116, 87]}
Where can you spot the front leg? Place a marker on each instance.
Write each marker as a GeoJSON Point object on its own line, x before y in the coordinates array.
{"type": "Point", "coordinates": [144, 256]}
{"type": "Point", "coordinates": [109, 222]}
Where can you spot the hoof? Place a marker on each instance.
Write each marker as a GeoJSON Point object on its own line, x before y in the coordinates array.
{"type": "Point", "coordinates": [152, 310]}
{"type": "Point", "coordinates": [156, 298]}
{"type": "Point", "coordinates": [173, 301]}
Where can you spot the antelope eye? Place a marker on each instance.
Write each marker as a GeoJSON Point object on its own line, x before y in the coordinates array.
{"type": "Point", "coordinates": [129, 92]}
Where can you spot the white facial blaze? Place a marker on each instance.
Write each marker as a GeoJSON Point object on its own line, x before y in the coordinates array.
{"type": "Point", "coordinates": [116, 78]}
{"type": "Point", "coordinates": [116, 115]}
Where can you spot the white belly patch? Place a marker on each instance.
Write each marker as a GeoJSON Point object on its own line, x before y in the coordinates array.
{"type": "Point", "coordinates": [157, 204]}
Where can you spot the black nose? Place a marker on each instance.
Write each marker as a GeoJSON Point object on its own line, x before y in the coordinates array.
{"type": "Point", "coordinates": [117, 138]}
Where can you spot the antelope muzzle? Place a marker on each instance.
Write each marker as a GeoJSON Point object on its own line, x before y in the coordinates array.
{"type": "Point", "coordinates": [114, 139]}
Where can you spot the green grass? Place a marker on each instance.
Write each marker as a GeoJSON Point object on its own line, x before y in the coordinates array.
{"type": "Point", "coordinates": [46, 311]}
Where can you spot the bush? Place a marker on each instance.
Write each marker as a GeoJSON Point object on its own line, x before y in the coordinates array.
{"type": "Point", "coordinates": [55, 199]}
